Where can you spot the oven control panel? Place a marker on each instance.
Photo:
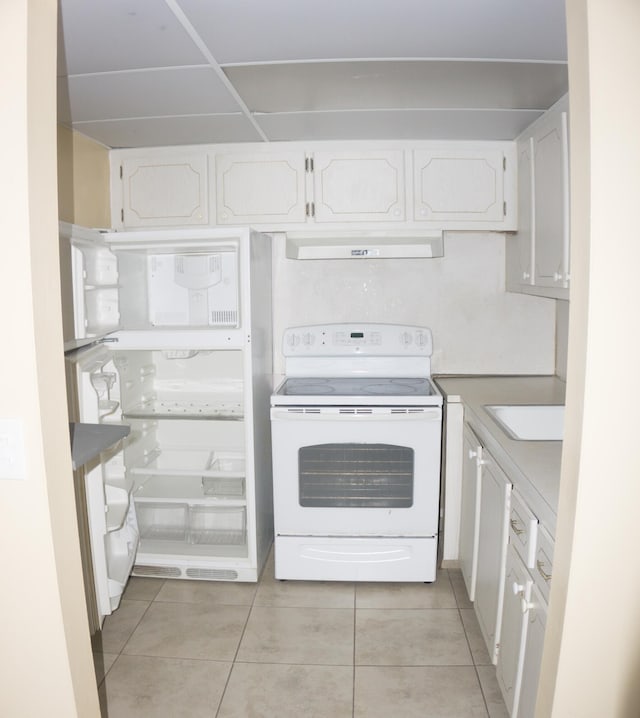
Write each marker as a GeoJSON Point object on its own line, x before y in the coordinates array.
{"type": "Point", "coordinates": [320, 340]}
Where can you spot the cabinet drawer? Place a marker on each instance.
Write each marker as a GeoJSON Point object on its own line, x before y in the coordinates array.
{"type": "Point", "coordinates": [523, 529]}
{"type": "Point", "coordinates": [543, 568]}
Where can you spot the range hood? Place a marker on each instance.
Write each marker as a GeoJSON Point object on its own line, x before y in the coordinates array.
{"type": "Point", "coordinates": [379, 244]}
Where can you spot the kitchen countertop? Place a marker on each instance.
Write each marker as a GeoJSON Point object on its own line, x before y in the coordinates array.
{"type": "Point", "coordinates": [533, 466]}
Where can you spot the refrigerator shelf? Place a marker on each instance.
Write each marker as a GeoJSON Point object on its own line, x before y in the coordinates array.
{"type": "Point", "coordinates": [227, 411]}
{"type": "Point", "coordinates": [204, 489]}
{"type": "Point", "coordinates": [191, 462]}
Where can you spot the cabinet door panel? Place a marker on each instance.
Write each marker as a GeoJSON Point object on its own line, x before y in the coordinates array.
{"type": "Point", "coordinates": [362, 187]}
{"type": "Point", "coordinates": [520, 246]}
{"type": "Point", "coordinates": [492, 547]}
{"type": "Point", "coordinates": [537, 620]}
{"type": "Point", "coordinates": [163, 192]}
{"type": "Point", "coordinates": [470, 510]}
{"type": "Point", "coordinates": [551, 209]}
{"type": "Point", "coordinates": [459, 186]}
{"type": "Point", "coordinates": [513, 631]}
{"type": "Point", "coordinates": [265, 188]}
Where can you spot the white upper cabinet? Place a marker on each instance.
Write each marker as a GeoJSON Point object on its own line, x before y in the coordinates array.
{"type": "Point", "coordinates": [538, 255]}
{"type": "Point", "coordinates": [520, 247]}
{"type": "Point", "coordinates": [358, 186]}
{"type": "Point", "coordinates": [260, 188]}
{"type": "Point", "coordinates": [291, 186]}
{"type": "Point", "coordinates": [464, 188]}
{"type": "Point", "coordinates": [551, 207]}
{"type": "Point", "coordinates": [161, 191]}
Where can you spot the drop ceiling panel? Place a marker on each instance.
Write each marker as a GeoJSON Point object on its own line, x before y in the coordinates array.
{"type": "Point", "coordinates": [148, 93]}
{"type": "Point", "coordinates": [105, 35]}
{"type": "Point", "coordinates": [285, 30]}
{"type": "Point", "coordinates": [389, 85]}
{"type": "Point", "coordinates": [400, 125]}
{"type": "Point", "coordinates": [164, 131]}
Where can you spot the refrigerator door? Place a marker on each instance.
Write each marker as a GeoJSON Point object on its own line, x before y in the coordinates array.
{"type": "Point", "coordinates": [111, 519]}
{"type": "Point", "coordinates": [90, 281]}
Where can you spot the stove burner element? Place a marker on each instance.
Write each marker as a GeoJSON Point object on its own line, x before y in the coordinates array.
{"type": "Point", "coordinates": [395, 386]}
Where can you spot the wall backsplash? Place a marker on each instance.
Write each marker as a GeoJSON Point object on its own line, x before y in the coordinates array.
{"type": "Point", "coordinates": [478, 328]}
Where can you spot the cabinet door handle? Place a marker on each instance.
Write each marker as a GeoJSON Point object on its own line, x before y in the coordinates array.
{"type": "Point", "coordinates": [517, 588]}
{"type": "Point", "coordinates": [516, 528]}
{"type": "Point", "coordinates": [526, 606]}
{"type": "Point", "coordinates": [542, 572]}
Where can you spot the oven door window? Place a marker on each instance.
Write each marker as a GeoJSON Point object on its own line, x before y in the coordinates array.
{"type": "Point", "coordinates": [356, 476]}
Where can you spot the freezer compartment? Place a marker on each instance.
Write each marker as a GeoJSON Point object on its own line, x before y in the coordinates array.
{"type": "Point", "coordinates": [181, 384]}
{"type": "Point", "coordinates": [144, 285]}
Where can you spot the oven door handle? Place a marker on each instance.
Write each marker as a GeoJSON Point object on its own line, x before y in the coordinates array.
{"type": "Point", "coordinates": [286, 415]}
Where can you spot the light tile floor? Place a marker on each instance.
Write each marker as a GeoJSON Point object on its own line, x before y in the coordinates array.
{"type": "Point", "coordinates": [289, 649]}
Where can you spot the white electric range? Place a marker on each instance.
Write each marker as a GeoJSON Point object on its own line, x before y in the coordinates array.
{"type": "Point", "coordinates": [356, 441]}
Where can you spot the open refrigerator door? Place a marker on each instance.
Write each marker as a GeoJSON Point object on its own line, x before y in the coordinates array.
{"type": "Point", "coordinates": [189, 495]}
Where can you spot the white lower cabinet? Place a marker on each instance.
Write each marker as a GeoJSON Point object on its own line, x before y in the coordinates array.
{"type": "Point", "coordinates": [516, 595]}
{"type": "Point", "coordinates": [532, 655]}
{"type": "Point", "coordinates": [470, 509]}
{"type": "Point", "coordinates": [495, 493]}
{"type": "Point", "coordinates": [525, 593]}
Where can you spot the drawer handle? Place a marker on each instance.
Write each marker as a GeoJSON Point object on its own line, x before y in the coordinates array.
{"type": "Point", "coordinates": [541, 571]}
{"type": "Point", "coordinates": [516, 528]}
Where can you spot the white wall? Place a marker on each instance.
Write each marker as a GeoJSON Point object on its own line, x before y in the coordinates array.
{"type": "Point", "coordinates": [591, 661]}
{"type": "Point", "coordinates": [478, 328]}
{"type": "Point", "coordinates": [45, 652]}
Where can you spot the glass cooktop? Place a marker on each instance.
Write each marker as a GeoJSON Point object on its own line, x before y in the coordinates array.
{"type": "Point", "coordinates": [354, 390]}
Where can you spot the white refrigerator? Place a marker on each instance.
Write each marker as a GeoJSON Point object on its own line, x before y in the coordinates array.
{"type": "Point", "coordinates": [170, 334]}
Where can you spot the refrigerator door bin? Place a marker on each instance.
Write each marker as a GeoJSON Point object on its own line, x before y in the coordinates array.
{"type": "Point", "coordinates": [120, 551]}
{"type": "Point", "coordinates": [117, 505]}
{"type": "Point", "coordinates": [101, 313]}
{"type": "Point", "coordinates": [218, 526]}
{"type": "Point", "coordinates": [162, 521]}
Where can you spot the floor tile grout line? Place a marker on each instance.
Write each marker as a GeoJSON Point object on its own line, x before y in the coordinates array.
{"type": "Point", "coordinates": [473, 660]}
{"type": "Point", "coordinates": [353, 668]}
{"type": "Point", "coordinates": [235, 655]}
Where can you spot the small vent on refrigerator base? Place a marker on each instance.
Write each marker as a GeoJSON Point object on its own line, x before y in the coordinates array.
{"type": "Point", "coordinates": [212, 574]}
{"type": "Point", "coordinates": [159, 571]}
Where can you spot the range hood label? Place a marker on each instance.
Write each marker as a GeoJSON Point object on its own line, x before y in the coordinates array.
{"type": "Point", "coordinates": [365, 252]}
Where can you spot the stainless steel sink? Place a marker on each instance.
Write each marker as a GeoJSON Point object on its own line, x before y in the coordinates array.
{"type": "Point", "coordinates": [529, 422]}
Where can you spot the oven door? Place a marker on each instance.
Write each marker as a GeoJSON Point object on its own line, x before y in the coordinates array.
{"type": "Point", "coordinates": [356, 471]}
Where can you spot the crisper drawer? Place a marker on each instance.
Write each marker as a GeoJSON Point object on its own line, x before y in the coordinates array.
{"type": "Point", "coordinates": [523, 530]}
{"type": "Point", "coordinates": [218, 526]}
{"type": "Point", "coordinates": [543, 568]}
{"type": "Point", "coordinates": [192, 524]}
{"type": "Point", "coordinates": [162, 521]}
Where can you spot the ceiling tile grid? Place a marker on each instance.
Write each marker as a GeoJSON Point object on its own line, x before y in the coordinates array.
{"type": "Point", "coordinates": [140, 73]}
